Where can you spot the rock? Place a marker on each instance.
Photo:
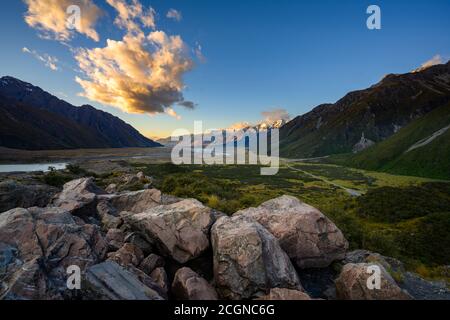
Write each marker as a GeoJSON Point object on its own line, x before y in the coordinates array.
{"type": "Point", "coordinates": [248, 260]}
{"type": "Point", "coordinates": [143, 178]}
{"type": "Point", "coordinates": [37, 245]}
{"type": "Point", "coordinates": [108, 215]}
{"type": "Point", "coordinates": [78, 197]}
{"type": "Point", "coordinates": [179, 230]}
{"type": "Point", "coordinates": [188, 285]}
{"type": "Point", "coordinates": [415, 285]}
{"type": "Point", "coordinates": [128, 254]}
{"type": "Point", "coordinates": [151, 262]}
{"type": "Point", "coordinates": [109, 281]}
{"type": "Point", "coordinates": [139, 241]}
{"type": "Point", "coordinates": [115, 239]}
{"type": "Point", "coordinates": [352, 284]}
{"type": "Point", "coordinates": [14, 194]}
{"type": "Point", "coordinates": [305, 234]}
{"type": "Point", "coordinates": [285, 294]}
{"type": "Point", "coordinates": [136, 201]}
{"type": "Point", "coordinates": [159, 276]}
{"type": "Point", "coordinates": [112, 188]}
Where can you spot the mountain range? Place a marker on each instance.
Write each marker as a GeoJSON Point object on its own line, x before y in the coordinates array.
{"type": "Point", "coordinates": [399, 125]}
{"type": "Point", "coordinates": [33, 119]}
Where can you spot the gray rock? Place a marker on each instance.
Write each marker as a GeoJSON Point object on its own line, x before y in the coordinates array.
{"type": "Point", "coordinates": [278, 294]}
{"type": "Point", "coordinates": [78, 197]}
{"type": "Point", "coordinates": [115, 239]}
{"type": "Point", "coordinates": [179, 230]}
{"type": "Point", "coordinates": [14, 194]}
{"type": "Point", "coordinates": [136, 201]}
{"type": "Point", "coordinates": [108, 215]}
{"type": "Point", "coordinates": [248, 261]}
{"type": "Point", "coordinates": [159, 276]}
{"type": "Point", "coordinates": [128, 254]}
{"type": "Point", "coordinates": [151, 262]}
{"type": "Point", "coordinates": [188, 285]}
{"type": "Point", "coordinates": [109, 281]}
{"type": "Point", "coordinates": [37, 245]}
{"type": "Point", "coordinates": [352, 284]}
{"type": "Point", "coordinates": [305, 234]}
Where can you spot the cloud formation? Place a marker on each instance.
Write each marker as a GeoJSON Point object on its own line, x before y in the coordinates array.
{"type": "Point", "coordinates": [140, 73]}
{"type": "Point", "coordinates": [131, 14]}
{"type": "Point", "coordinates": [49, 61]}
{"type": "Point", "coordinates": [174, 14]}
{"type": "Point", "coordinates": [275, 115]}
{"type": "Point", "coordinates": [50, 18]}
{"type": "Point", "coordinates": [437, 59]}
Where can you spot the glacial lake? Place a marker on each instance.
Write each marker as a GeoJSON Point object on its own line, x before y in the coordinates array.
{"type": "Point", "coordinates": [32, 167]}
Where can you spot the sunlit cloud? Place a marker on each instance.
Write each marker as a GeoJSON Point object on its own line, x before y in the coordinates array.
{"type": "Point", "coordinates": [174, 14]}
{"type": "Point", "coordinates": [140, 73]}
{"type": "Point", "coordinates": [131, 14]}
{"type": "Point", "coordinates": [275, 115]}
{"type": "Point", "coordinates": [437, 59]}
{"type": "Point", "coordinates": [173, 114]}
{"type": "Point", "coordinates": [50, 18]}
{"type": "Point", "coordinates": [49, 61]}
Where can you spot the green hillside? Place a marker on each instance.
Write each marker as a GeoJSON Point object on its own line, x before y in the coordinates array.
{"type": "Point", "coordinates": [392, 155]}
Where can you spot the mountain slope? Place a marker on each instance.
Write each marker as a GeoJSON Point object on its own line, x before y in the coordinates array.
{"type": "Point", "coordinates": [34, 119]}
{"type": "Point", "coordinates": [368, 116]}
{"type": "Point", "coordinates": [422, 148]}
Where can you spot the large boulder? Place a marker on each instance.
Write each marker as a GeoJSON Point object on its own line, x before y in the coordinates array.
{"type": "Point", "coordinates": [14, 194]}
{"type": "Point", "coordinates": [37, 245]}
{"type": "Point", "coordinates": [285, 294]}
{"type": "Point", "coordinates": [109, 281]}
{"type": "Point", "coordinates": [188, 285]}
{"type": "Point", "coordinates": [179, 230]}
{"type": "Point", "coordinates": [353, 284]}
{"type": "Point", "coordinates": [305, 234]}
{"type": "Point", "coordinates": [78, 197]}
{"type": "Point", "coordinates": [136, 201]}
{"type": "Point", "coordinates": [248, 261]}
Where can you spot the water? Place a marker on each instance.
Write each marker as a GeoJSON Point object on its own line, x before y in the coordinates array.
{"type": "Point", "coordinates": [32, 167]}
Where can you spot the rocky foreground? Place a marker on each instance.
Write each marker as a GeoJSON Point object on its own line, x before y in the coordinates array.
{"type": "Point", "coordinates": [149, 246]}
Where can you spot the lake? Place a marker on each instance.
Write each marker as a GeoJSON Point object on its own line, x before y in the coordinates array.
{"type": "Point", "coordinates": [32, 167]}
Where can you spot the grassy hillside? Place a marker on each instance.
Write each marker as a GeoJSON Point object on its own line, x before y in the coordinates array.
{"type": "Point", "coordinates": [392, 155]}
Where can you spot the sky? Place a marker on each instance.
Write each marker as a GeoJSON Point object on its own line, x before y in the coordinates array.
{"type": "Point", "coordinates": [161, 65]}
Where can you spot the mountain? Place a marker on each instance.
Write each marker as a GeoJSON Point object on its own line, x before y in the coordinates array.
{"type": "Point", "coordinates": [34, 119]}
{"type": "Point", "coordinates": [366, 117]}
{"type": "Point", "coordinates": [240, 134]}
{"type": "Point", "coordinates": [422, 148]}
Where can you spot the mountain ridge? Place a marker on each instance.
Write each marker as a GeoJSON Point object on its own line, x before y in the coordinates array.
{"type": "Point", "coordinates": [57, 123]}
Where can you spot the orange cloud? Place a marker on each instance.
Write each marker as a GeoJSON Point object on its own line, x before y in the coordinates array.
{"type": "Point", "coordinates": [130, 14]}
{"type": "Point", "coordinates": [49, 61]}
{"type": "Point", "coordinates": [50, 18]}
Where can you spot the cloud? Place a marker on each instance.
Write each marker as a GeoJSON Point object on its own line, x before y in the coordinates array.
{"type": "Point", "coordinates": [139, 74]}
{"type": "Point", "coordinates": [131, 14]}
{"type": "Point", "coordinates": [172, 113]}
{"type": "Point", "coordinates": [437, 59]}
{"type": "Point", "coordinates": [50, 18]}
{"type": "Point", "coordinates": [275, 115]}
{"type": "Point", "coordinates": [199, 53]}
{"type": "Point", "coordinates": [239, 125]}
{"type": "Point", "coordinates": [174, 14]}
{"type": "Point", "coordinates": [49, 61]}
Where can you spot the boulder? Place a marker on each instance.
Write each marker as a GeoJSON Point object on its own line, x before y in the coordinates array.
{"type": "Point", "coordinates": [137, 239]}
{"type": "Point", "coordinates": [136, 201]}
{"type": "Point", "coordinates": [128, 254]}
{"type": "Point", "coordinates": [78, 197]}
{"type": "Point", "coordinates": [309, 238]}
{"type": "Point", "coordinates": [37, 245]}
{"type": "Point", "coordinates": [188, 285]}
{"type": "Point", "coordinates": [353, 284]}
{"type": "Point", "coordinates": [115, 239]}
{"type": "Point", "coordinates": [151, 262]}
{"type": "Point", "coordinates": [285, 294]}
{"type": "Point", "coordinates": [14, 194]}
{"type": "Point", "coordinates": [109, 281]}
{"type": "Point", "coordinates": [108, 215]}
{"type": "Point", "coordinates": [179, 230]}
{"type": "Point", "coordinates": [159, 276]}
{"type": "Point", "coordinates": [248, 261]}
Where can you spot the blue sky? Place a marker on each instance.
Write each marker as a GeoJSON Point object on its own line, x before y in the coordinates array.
{"type": "Point", "coordinates": [259, 55]}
